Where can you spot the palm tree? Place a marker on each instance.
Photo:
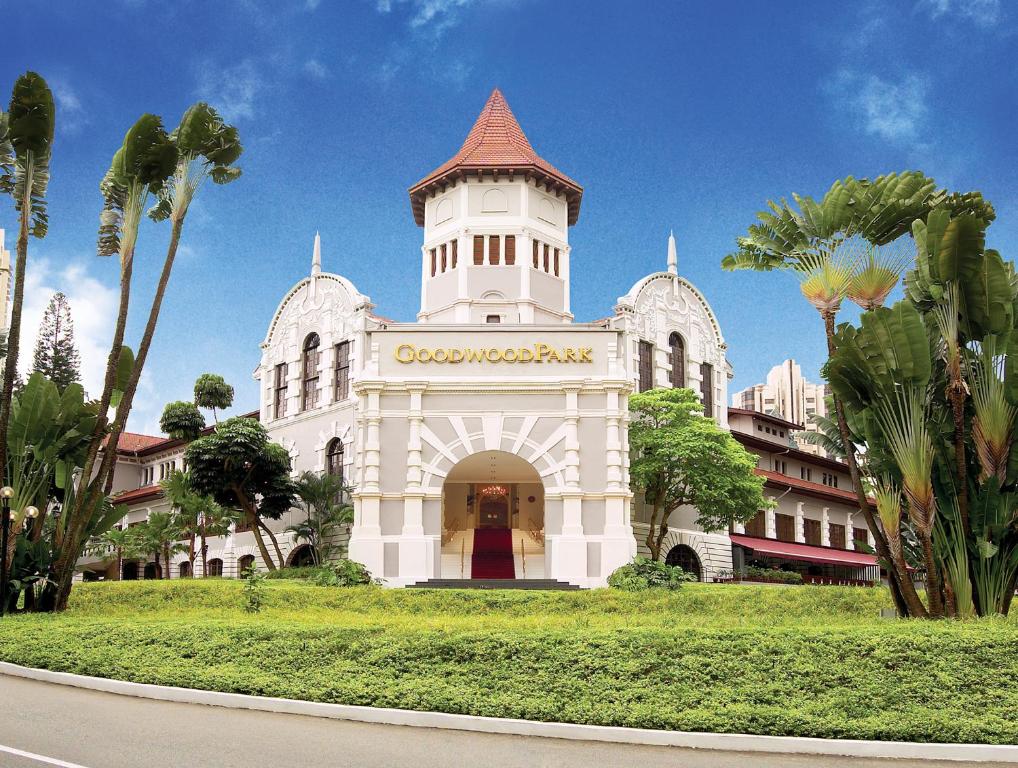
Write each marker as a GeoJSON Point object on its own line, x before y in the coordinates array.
{"type": "Point", "coordinates": [836, 247]}
{"type": "Point", "coordinates": [160, 535]}
{"type": "Point", "coordinates": [197, 516]}
{"type": "Point", "coordinates": [26, 142]}
{"type": "Point", "coordinates": [321, 497]}
{"type": "Point", "coordinates": [121, 543]}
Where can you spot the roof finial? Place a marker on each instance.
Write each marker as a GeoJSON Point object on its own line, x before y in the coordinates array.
{"type": "Point", "coordinates": [673, 259]}
{"type": "Point", "coordinates": [316, 257]}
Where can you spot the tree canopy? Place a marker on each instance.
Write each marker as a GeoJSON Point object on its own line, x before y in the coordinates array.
{"type": "Point", "coordinates": [56, 356]}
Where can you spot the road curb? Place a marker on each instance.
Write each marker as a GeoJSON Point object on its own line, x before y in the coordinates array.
{"type": "Point", "coordinates": [730, 742]}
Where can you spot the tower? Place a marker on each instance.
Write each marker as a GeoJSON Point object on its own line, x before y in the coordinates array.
{"type": "Point", "coordinates": [496, 220]}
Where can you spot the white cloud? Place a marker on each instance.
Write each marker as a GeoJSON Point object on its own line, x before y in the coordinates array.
{"type": "Point", "coordinates": [71, 117]}
{"type": "Point", "coordinates": [231, 90]}
{"type": "Point", "coordinates": [428, 17]}
{"type": "Point", "coordinates": [894, 111]}
{"type": "Point", "coordinates": [982, 13]}
{"type": "Point", "coordinates": [312, 5]}
{"type": "Point", "coordinates": [93, 311]}
{"type": "Point", "coordinates": [315, 69]}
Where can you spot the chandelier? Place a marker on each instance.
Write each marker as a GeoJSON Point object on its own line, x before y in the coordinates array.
{"type": "Point", "coordinates": [494, 490]}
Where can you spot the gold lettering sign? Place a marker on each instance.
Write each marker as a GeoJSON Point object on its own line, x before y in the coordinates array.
{"type": "Point", "coordinates": [538, 353]}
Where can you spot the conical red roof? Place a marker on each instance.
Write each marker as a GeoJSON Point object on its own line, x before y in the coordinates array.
{"type": "Point", "coordinates": [496, 143]}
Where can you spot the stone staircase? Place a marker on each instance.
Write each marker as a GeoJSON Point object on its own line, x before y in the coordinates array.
{"type": "Point", "coordinates": [492, 584]}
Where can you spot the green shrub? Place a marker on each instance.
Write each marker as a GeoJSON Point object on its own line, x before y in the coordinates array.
{"type": "Point", "coordinates": [254, 590]}
{"type": "Point", "coordinates": [754, 573]}
{"type": "Point", "coordinates": [644, 573]}
{"type": "Point", "coordinates": [300, 572]}
{"type": "Point", "coordinates": [345, 573]}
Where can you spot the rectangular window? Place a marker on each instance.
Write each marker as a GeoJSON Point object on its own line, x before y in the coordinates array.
{"type": "Point", "coordinates": [433, 261]}
{"type": "Point", "coordinates": [780, 466]}
{"type": "Point", "coordinates": [757, 526]}
{"type": "Point", "coordinates": [455, 248]}
{"type": "Point", "coordinates": [279, 403]}
{"type": "Point", "coordinates": [547, 250]}
{"type": "Point", "coordinates": [494, 244]}
{"type": "Point", "coordinates": [493, 319]}
{"type": "Point", "coordinates": [837, 534]}
{"type": "Point", "coordinates": [707, 388]}
{"type": "Point", "coordinates": [646, 366]}
{"type": "Point", "coordinates": [478, 249]}
{"type": "Point", "coordinates": [510, 249]}
{"type": "Point", "coordinates": [860, 535]}
{"type": "Point", "coordinates": [342, 371]}
{"type": "Point", "coordinates": [811, 530]}
{"type": "Point", "coordinates": [536, 252]}
{"type": "Point", "coordinates": [784, 527]}
{"type": "Point", "coordinates": [556, 262]}
{"type": "Point", "coordinates": [445, 263]}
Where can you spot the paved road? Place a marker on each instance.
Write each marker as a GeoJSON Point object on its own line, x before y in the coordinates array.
{"type": "Point", "coordinates": [76, 728]}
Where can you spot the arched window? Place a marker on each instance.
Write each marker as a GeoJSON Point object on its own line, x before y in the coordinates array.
{"type": "Point", "coordinates": [244, 564]}
{"type": "Point", "coordinates": [130, 572]}
{"type": "Point", "coordinates": [682, 556]}
{"type": "Point", "coordinates": [309, 372]}
{"type": "Point", "coordinates": [184, 570]}
{"type": "Point", "coordinates": [215, 567]}
{"type": "Point", "coordinates": [707, 389]}
{"type": "Point", "coordinates": [678, 360]}
{"type": "Point", "coordinates": [153, 571]}
{"type": "Point", "coordinates": [302, 556]}
{"type": "Point", "coordinates": [334, 458]}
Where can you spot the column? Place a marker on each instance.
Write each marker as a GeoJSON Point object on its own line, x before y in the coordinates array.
{"type": "Point", "coordinates": [525, 264]}
{"type": "Point", "coordinates": [564, 274]}
{"type": "Point", "coordinates": [619, 545]}
{"type": "Point", "coordinates": [770, 527]}
{"type": "Point", "coordinates": [825, 527]}
{"type": "Point", "coordinates": [569, 550]}
{"type": "Point", "coordinates": [464, 257]}
{"type": "Point", "coordinates": [739, 528]}
{"type": "Point", "coordinates": [416, 555]}
{"type": "Point", "coordinates": [800, 534]}
{"type": "Point", "coordinates": [366, 546]}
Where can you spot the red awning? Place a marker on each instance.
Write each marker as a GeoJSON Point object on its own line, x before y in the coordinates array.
{"type": "Point", "coordinates": [804, 552]}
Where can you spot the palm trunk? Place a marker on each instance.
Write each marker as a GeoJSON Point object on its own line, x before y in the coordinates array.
{"type": "Point", "coordinates": [252, 519]}
{"type": "Point", "coordinates": [934, 596]}
{"type": "Point", "coordinates": [120, 566]}
{"type": "Point", "coordinates": [204, 554]}
{"type": "Point", "coordinates": [906, 599]}
{"type": "Point", "coordinates": [14, 331]}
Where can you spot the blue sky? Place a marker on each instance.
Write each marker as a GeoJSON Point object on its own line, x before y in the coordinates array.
{"type": "Point", "coordinates": [673, 115]}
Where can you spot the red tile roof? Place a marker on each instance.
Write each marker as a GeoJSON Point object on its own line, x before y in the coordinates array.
{"type": "Point", "coordinates": [134, 441]}
{"type": "Point", "coordinates": [496, 142]}
{"type": "Point", "coordinates": [138, 494]}
{"type": "Point", "coordinates": [818, 490]}
{"type": "Point", "coordinates": [767, 417]}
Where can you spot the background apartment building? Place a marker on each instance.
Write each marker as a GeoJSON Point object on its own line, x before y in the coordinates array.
{"type": "Point", "coordinates": [789, 395]}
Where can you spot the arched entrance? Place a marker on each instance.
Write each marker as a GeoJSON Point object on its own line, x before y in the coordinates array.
{"type": "Point", "coordinates": [685, 557]}
{"type": "Point", "coordinates": [493, 518]}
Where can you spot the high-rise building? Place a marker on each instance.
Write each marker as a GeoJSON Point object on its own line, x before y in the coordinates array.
{"type": "Point", "coordinates": [5, 283]}
{"type": "Point", "coordinates": [789, 395]}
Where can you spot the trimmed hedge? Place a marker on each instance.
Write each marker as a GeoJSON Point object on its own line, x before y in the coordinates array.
{"type": "Point", "coordinates": [604, 657]}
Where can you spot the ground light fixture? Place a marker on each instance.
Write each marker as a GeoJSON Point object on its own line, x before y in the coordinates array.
{"type": "Point", "coordinates": [6, 494]}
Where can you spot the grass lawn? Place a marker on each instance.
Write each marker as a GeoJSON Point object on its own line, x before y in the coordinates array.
{"type": "Point", "coordinates": [803, 661]}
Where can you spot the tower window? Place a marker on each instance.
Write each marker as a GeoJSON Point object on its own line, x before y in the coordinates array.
{"type": "Point", "coordinates": [494, 245]}
{"type": "Point", "coordinates": [546, 252]}
{"type": "Point", "coordinates": [444, 261]}
{"type": "Point", "coordinates": [678, 360]}
{"type": "Point", "coordinates": [342, 371]}
{"type": "Point", "coordinates": [309, 373]}
{"type": "Point", "coordinates": [536, 256]}
{"type": "Point", "coordinates": [556, 262]}
{"type": "Point", "coordinates": [455, 244]}
{"type": "Point", "coordinates": [646, 365]}
{"type": "Point", "coordinates": [493, 319]}
{"type": "Point", "coordinates": [510, 249]}
{"type": "Point", "coordinates": [432, 252]}
{"type": "Point", "coordinates": [279, 400]}
{"type": "Point", "coordinates": [478, 249]}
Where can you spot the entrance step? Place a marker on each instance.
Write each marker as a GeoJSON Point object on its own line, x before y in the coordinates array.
{"type": "Point", "coordinates": [492, 584]}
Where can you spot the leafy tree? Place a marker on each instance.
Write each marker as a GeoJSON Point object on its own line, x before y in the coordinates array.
{"type": "Point", "coordinates": [679, 457]}
{"type": "Point", "coordinates": [26, 143]}
{"type": "Point", "coordinates": [56, 357]}
{"type": "Point", "coordinates": [321, 498]}
{"type": "Point", "coordinates": [848, 245]}
{"type": "Point", "coordinates": [198, 516]}
{"type": "Point", "coordinates": [211, 391]}
{"type": "Point", "coordinates": [173, 168]}
{"type": "Point", "coordinates": [182, 421]}
{"type": "Point", "coordinates": [238, 466]}
{"type": "Point", "coordinates": [159, 536]}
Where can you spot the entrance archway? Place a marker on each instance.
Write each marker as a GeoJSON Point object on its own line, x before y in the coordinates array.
{"type": "Point", "coordinates": [685, 557]}
{"type": "Point", "coordinates": [493, 518]}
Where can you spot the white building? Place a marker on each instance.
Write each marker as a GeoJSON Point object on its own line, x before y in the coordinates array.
{"type": "Point", "coordinates": [789, 395]}
{"type": "Point", "coordinates": [5, 283]}
{"type": "Point", "coordinates": [488, 439]}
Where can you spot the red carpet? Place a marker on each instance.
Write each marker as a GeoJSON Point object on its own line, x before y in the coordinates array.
{"type": "Point", "coordinates": [493, 554]}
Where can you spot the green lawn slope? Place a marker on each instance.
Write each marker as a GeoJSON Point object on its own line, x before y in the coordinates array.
{"type": "Point", "coordinates": [801, 661]}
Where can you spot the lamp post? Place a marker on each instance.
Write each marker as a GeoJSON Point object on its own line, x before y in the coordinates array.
{"type": "Point", "coordinates": [6, 494]}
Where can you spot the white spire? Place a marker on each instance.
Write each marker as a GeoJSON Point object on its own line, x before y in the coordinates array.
{"type": "Point", "coordinates": [673, 259]}
{"type": "Point", "coordinates": [316, 258]}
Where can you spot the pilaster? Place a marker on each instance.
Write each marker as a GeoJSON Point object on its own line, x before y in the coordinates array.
{"type": "Point", "coordinates": [825, 527]}
{"type": "Point", "coordinates": [800, 533]}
